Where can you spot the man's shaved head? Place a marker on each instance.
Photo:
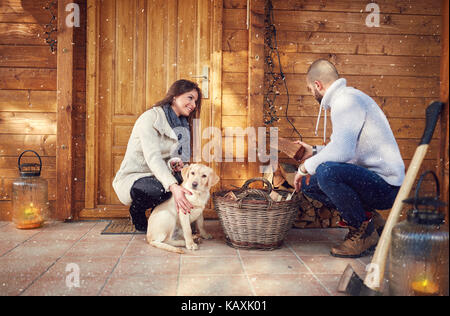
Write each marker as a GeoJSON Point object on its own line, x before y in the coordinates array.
{"type": "Point", "coordinates": [324, 71]}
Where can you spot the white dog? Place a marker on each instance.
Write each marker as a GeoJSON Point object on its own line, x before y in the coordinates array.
{"type": "Point", "coordinates": [164, 219]}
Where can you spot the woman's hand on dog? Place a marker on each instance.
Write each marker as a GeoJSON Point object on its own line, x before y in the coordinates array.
{"type": "Point", "coordinates": [179, 194]}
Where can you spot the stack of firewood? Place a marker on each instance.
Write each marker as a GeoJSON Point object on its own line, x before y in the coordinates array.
{"type": "Point", "coordinates": [313, 214]}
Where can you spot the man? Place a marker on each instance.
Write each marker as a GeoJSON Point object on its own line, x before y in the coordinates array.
{"type": "Point", "coordinates": [360, 170]}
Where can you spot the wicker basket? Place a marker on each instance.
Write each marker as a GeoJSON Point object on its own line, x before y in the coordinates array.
{"type": "Point", "coordinates": [254, 220]}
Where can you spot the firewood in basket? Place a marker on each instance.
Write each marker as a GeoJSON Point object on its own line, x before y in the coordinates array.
{"type": "Point", "coordinates": [288, 172]}
{"type": "Point", "coordinates": [278, 178]}
{"type": "Point", "coordinates": [276, 196]}
{"type": "Point", "coordinates": [230, 195]}
{"type": "Point", "coordinates": [289, 197]}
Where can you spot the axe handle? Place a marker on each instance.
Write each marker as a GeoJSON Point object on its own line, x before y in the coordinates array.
{"type": "Point", "coordinates": [381, 253]}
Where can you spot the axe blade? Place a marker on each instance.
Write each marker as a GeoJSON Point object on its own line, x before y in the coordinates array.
{"type": "Point", "coordinates": [353, 285]}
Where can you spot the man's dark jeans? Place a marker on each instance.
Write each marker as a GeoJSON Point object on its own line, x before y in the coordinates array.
{"type": "Point", "coordinates": [350, 189]}
{"type": "Point", "coordinates": [147, 193]}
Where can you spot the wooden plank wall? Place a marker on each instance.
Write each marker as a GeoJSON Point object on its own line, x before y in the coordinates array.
{"type": "Point", "coordinates": [398, 64]}
{"type": "Point", "coordinates": [235, 76]}
{"type": "Point", "coordinates": [28, 96]}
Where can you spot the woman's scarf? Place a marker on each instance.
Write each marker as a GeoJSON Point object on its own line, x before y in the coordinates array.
{"type": "Point", "coordinates": [180, 125]}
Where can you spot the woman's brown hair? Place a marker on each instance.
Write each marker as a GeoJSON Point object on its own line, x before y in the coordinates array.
{"type": "Point", "coordinates": [181, 87]}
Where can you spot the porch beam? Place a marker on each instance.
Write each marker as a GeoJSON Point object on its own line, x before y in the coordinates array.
{"type": "Point", "coordinates": [444, 126]}
{"type": "Point", "coordinates": [65, 98]}
{"type": "Point", "coordinates": [92, 65]}
{"type": "Point", "coordinates": [255, 113]}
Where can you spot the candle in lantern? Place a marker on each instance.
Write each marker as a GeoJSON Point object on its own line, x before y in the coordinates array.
{"type": "Point", "coordinates": [32, 218]}
{"type": "Point", "coordinates": [30, 195]}
{"type": "Point", "coordinates": [425, 288]}
{"type": "Point", "coordinates": [31, 211]}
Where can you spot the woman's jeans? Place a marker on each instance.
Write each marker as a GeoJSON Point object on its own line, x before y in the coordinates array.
{"type": "Point", "coordinates": [147, 193]}
{"type": "Point", "coordinates": [351, 189]}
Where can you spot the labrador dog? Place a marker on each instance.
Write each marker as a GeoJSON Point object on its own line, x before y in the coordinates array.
{"type": "Point", "coordinates": [165, 219]}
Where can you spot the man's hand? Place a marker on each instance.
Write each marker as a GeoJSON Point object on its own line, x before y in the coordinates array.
{"type": "Point", "coordinates": [179, 194]}
{"type": "Point", "coordinates": [299, 177]}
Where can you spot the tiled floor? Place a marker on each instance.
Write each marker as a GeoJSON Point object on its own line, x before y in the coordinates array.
{"type": "Point", "coordinates": [45, 262]}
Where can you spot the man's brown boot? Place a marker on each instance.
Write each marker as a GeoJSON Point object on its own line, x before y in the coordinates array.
{"type": "Point", "coordinates": [378, 222]}
{"type": "Point", "coordinates": [359, 242]}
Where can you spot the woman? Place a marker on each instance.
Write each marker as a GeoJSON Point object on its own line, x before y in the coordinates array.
{"type": "Point", "coordinates": [150, 172]}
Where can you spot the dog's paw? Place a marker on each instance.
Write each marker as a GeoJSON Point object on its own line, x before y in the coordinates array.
{"type": "Point", "coordinates": [192, 246]}
{"type": "Point", "coordinates": [207, 236]}
{"type": "Point", "coordinates": [197, 238]}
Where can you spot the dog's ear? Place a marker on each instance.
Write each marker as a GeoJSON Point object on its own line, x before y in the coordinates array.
{"type": "Point", "coordinates": [185, 172]}
{"type": "Point", "coordinates": [213, 179]}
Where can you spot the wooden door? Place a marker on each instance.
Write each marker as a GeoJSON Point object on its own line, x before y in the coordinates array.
{"type": "Point", "coordinates": [136, 50]}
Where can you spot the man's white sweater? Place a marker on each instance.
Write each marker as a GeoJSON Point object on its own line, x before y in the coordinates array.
{"type": "Point", "coordinates": [361, 135]}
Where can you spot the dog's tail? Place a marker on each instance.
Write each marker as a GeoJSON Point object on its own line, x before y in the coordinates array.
{"type": "Point", "coordinates": [166, 247]}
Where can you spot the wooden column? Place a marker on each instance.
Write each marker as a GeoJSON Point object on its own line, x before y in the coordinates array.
{"type": "Point", "coordinates": [65, 97]}
{"type": "Point", "coordinates": [255, 116]}
{"type": "Point", "coordinates": [216, 73]}
{"type": "Point", "coordinates": [444, 130]}
{"type": "Point", "coordinates": [91, 103]}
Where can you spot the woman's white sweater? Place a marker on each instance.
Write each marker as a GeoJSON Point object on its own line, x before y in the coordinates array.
{"type": "Point", "coordinates": [361, 135]}
{"type": "Point", "coordinates": [151, 145]}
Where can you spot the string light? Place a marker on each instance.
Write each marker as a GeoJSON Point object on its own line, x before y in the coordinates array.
{"type": "Point", "coordinates": [51, 27]}
{"type": "Point", "coordinates": [274, 79]}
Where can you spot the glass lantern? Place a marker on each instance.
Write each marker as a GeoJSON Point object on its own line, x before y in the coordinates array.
{"type": "Point", "coordinates": [418, 259]}
{"type": "Point", "coordinates": [30, 195]}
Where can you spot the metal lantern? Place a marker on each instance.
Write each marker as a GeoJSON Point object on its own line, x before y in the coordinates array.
{"type": "Point", "coordinates": [30, 195]}
{"type": "Point", "coordinates": [419, 262]}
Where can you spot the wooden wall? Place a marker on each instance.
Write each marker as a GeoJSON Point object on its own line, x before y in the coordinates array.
{"type": "Point", "coordinates": [398, 64]}
{"type": "Point", "coordinates": [28, 96]}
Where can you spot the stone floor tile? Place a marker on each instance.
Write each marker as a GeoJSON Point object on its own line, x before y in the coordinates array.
{"type": "Point", "coordinates": [32, 250]}
{"type": "Point", "coordinates": [331, 265]}
{"type": "Point", "coordinates": [7, 245]}
{"type": "Point", "coordinates": [135, 266]}
{"type": "Point", "coordinates": [210, 265]}
{"type": "Point", "coordinates": [272, 264]}
{"type": "Point", "coordinates": [49, 285]}
{"type": "Point", "coordinates": [98, 249]}
{"type": "Point", "coordinates": [16, 274]}
{"type": "Point", "coordinates": [139, 247]}
{"type": "Point", "coordinates": [313, 248]}
{"type": "Point", "coordinates": [214, 285]}
{"type": "Point", "coordinates": [150, 285]}
{"type": "Point", "coordinates": [287, 285]}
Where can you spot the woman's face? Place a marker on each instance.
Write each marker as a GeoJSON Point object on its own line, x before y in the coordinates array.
{"type": "Point", "coordinates": [185, 104]}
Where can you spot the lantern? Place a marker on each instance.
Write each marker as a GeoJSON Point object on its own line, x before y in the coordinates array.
{"type": "Point", "coordinates": [419, 250]}
{"type": "Point", "coordinates": [30, 195]}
